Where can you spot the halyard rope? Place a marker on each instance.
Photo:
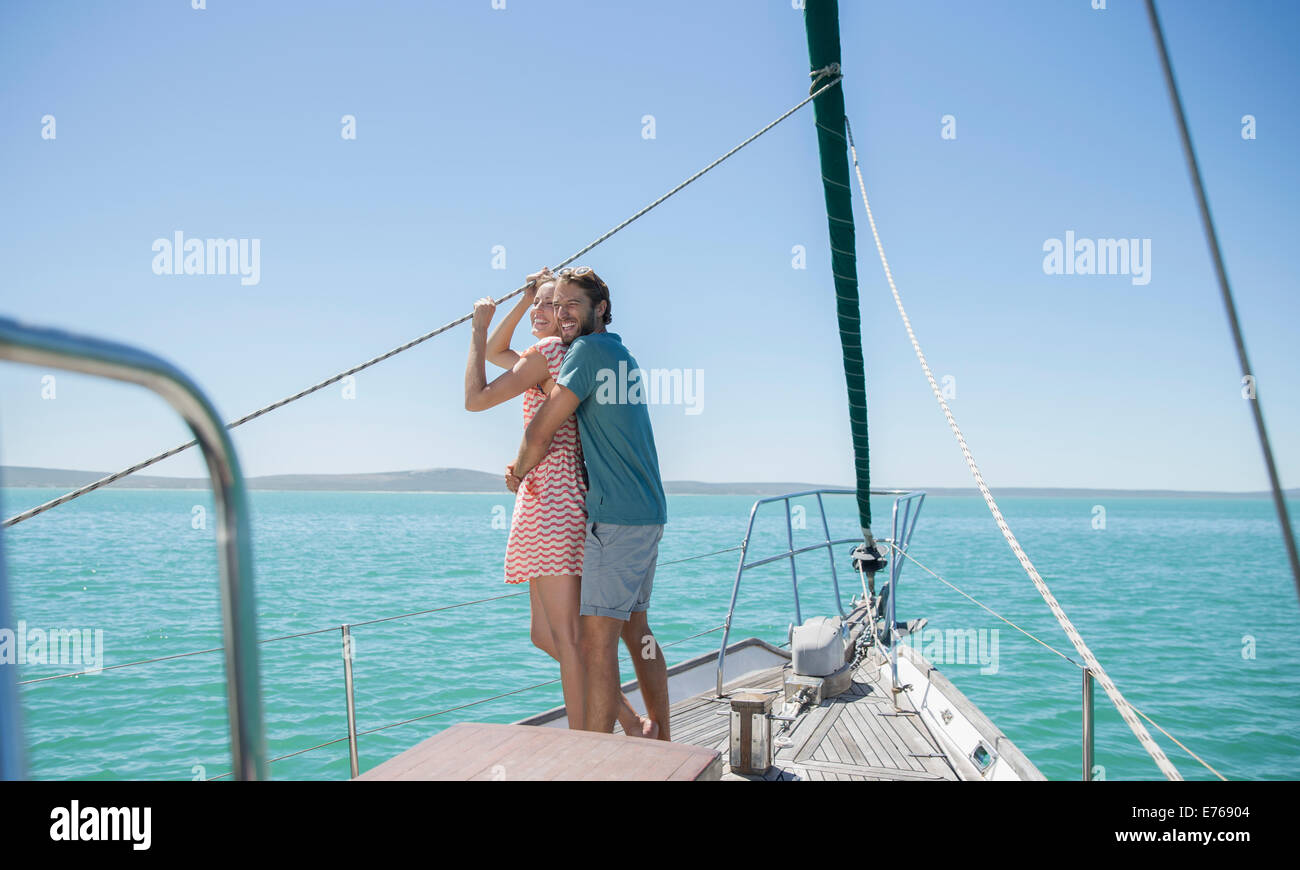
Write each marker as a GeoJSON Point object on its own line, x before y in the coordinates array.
{"type": "Point", "coordinates": [105, 481]}
{"type": "Point", "coordinates": [1125, 709]}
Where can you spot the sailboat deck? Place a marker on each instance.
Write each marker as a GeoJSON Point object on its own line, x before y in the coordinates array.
{"type": "Point", "coordinates": [854, 736]}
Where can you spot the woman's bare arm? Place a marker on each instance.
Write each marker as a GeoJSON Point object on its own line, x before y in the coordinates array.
{"type": "Point", "coordinates": [529, 369]}
{"type": "Point", "coordinates": [498, 343]}
{"type": "Point", "coordinates": [498, 350]}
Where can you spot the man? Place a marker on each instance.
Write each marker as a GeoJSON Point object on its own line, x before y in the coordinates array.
{"type": "Point", "coordinates": [626, 508]}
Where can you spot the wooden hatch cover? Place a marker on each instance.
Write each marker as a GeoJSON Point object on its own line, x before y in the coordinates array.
{"type": "Point", "coordinates": [478, 751]}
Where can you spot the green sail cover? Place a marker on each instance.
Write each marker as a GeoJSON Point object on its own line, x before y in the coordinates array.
{"type": "Point", "coordinates": [822, 21]}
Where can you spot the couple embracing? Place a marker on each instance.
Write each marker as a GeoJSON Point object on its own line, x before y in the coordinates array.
{"type": "Point", "coordinates": [589, 504]}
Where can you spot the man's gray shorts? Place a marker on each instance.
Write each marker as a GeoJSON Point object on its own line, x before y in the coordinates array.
{"type": "Point", "coordinates": [618, 569]}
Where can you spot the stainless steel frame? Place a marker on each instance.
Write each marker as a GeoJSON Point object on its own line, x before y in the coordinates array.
{"type": "Point", "coordinates": [12, 763]}
{"type": "Point", "coordinates": [827, 544]}
{"type": "Point", "coordinates": [88, 355]}
{"type": "Point", "coordinates": [353, 761]}
{"type": "Point", "coordinates": [900, 536]}
{"type": "Point", "coordinates": [1087, 725]}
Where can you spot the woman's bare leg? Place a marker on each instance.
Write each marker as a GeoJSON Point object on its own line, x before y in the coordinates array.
{"type": "Point", "coordinates": [558, 596]}
{"type": "Point", "coordinates": [633, 723]}
{"type": "Point", "coordinates": [539, 628]}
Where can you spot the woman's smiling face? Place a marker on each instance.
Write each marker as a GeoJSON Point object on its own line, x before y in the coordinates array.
{"type": "Point", "coordinates": [542, 313]}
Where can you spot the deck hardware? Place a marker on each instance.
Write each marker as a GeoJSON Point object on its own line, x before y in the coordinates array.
{"type": "Point", "coordinates": [795, 704]}
{"type": "Point", "coordinates": [897, 690]}
{"type": "Point", "coordinates": [982, 756]}
{"type": "Point", "coordinates": [751, 733]}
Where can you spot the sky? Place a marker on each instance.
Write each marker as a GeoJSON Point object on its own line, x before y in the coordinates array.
{"type": "Point", "coordinates": [519, 134]}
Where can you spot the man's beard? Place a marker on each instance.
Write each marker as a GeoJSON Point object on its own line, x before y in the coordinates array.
{"type": "Point", "coordinates": [586, 326]}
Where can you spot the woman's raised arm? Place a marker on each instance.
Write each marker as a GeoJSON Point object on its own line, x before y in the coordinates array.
{"type": "Point", "coordinates": [528, 370]}
{"type": "Point", "coordinates": [498, 343]}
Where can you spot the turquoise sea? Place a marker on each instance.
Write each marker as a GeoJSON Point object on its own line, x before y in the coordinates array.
{"type": "Point", "coordinates": [1185, 601]}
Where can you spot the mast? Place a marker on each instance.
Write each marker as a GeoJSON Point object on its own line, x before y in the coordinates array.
{"type": "Point", "coordinates": [821, 20]}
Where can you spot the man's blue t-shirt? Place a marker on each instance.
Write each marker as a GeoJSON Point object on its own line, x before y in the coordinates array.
{"type": "Point", "coordinates": [617, 443]}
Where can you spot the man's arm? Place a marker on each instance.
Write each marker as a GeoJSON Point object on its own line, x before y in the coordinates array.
{"type": "Point", "coordinates": [558, 407]}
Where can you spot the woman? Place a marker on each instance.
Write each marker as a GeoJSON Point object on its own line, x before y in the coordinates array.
{"type": "Point", "coordinates": [547, 529]}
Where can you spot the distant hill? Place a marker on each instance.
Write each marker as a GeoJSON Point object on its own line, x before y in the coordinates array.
{"type": "Point", "coordinates": [699, 487]}
{"type": "Point", "coordinates": [424, 480]}
{"type": "Point", "coordinates": [467, 480]}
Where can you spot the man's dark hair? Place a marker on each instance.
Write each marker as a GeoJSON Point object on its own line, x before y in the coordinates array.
{"type": "Point", "coordinates": [597, 290]}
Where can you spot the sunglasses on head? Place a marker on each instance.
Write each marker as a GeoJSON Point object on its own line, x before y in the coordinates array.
{"type": "Point", "coordinates": [582, 273]}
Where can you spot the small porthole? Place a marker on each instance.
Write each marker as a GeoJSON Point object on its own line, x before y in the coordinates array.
{"type": "Point", "coordinates": [982, 757]}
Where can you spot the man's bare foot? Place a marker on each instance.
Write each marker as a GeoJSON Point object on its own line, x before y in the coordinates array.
{"type": "Point", "coordinates": [649, 728]}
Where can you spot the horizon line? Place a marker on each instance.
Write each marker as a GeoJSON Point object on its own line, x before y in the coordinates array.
{"type": "Point", "coordinates": [6, 470]}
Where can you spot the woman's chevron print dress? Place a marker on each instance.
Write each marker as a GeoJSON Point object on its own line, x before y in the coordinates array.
{"type": "Point", "coordinates": [548, 528]}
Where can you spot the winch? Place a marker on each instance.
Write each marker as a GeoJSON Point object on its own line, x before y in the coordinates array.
{"type": "Point", "coordinates": [821, 659]}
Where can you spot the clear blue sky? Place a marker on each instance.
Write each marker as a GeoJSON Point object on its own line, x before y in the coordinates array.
{"type": "Point", "coordinates": [522, 127]}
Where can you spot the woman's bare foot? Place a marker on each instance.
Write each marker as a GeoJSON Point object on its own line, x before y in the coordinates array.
{"type": "Point", "coordinates": [649, 728]}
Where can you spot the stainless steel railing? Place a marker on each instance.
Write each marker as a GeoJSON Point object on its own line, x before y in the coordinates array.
{"type": "Point", "coordinates": [1088, 731]}
{"type": "Point", "coordinates": [903, 537]}
{"type": "Point", "coordinates": [94, 356]}
{"type": "Point", "coordinates": [900, 536]}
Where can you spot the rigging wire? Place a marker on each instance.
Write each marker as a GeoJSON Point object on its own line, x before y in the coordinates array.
{"type": "Point", "coordinates": [832, 74]}
{"type": "Point", "coordinates": [1225, 290]}
{"type": "Point", "coordinates": [1044, 643]}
